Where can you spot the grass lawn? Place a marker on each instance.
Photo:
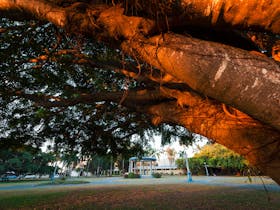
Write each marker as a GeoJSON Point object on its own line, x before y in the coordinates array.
{"type": "Point", "coordinates": [167, 196]}
{"type": "Point", "coordinates": [22, 182]}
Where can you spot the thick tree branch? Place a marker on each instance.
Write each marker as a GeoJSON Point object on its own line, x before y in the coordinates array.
{"type": "Point", "coordinates": [208, 119]}
{"type": "Point", "coordinates": [99, 21]}
{"type": "Point", "coordinates": [31, 8]}
{"type": "Point", "coordinates": [202, 65]}
{"type": "Point", "coordinates": [254, 14]}
{"type": "Point", "coordinates": [249, 82]}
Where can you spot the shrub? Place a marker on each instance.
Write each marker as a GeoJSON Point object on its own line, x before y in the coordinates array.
{"type": "Point", "coordinates": [156, 175]}
{"type": "Point", "coordinates": [63, 178]}
{"type": "Point", "coordinates": [131, 175]}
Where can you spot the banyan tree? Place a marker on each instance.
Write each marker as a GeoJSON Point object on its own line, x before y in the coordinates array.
{"type": "Point", "coordinates": [209, 66]}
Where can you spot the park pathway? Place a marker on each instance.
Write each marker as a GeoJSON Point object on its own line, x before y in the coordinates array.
{"type": "Point", "coordinates": [227, 181]}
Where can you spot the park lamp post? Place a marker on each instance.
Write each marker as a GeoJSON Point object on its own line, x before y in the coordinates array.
{"type": "Point", "coordinates": [206, 169]}
{"type": "Point", "coordinates": [189, 174]}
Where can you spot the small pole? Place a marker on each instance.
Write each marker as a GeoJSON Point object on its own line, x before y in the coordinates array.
{"type": "Point", "coordinates": [111, 166]}
{"type": "Point", "coordinates": [140, 171]}
{"type": "Point", "coordinates": [189, 174]}
{"type": "Point", "coordinates": [54, 172]}
{"type": "Point", "coordinates": [206, 169]}
{"type": "Point", "coordinates": [122, 166]}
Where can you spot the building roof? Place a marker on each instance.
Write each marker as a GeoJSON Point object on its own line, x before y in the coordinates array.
{"type": "Point", "coordinates": [142, 159]}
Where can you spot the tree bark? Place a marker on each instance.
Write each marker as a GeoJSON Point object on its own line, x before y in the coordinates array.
{"type": "Point", "coordinates": [248, 82]}
{"type": "Point", "coordinates": [253, 14]}
{"type": "Point", "coordinates": [259, 145]}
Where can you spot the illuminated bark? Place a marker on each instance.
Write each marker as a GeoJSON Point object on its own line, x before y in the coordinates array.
{"type": "Point", "coordinates": [254, 14]}
{"type": "Point", "coordinates": [249, 82]}
{"type": "Point", "coordinates": [258, 144]}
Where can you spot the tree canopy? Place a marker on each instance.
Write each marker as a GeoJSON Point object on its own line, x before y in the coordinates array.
{"type": "Point", "coordinates": [217, 156]}
{"type": "Point", "coordinates": [25, 160]}
{"type": "Point", "coordinates": [93, 73]}
{"type": "Point", "coordinates": [220, 160]}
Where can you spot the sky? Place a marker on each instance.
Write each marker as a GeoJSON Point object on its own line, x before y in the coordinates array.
{"type": "Point", "coordinates": [156, 144]}
{"type": "Point", "coordinates": [191, 150]}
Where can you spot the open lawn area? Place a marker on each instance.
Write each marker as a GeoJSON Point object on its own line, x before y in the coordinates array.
{"type": "Point", "coordinates": [142, 194]}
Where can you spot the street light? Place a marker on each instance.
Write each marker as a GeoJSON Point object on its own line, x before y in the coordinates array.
{"type": "Point", "coordinates": [189, 174]}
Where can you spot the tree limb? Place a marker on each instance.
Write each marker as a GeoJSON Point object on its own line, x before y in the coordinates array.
{"type": "Point", "coordinates": [233, 76]}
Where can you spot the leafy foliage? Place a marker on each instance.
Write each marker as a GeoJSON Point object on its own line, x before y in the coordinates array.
{"type": "Point", "coordinates": [132, 175]}
{"type": "Point", "coordinates": [217, 157]}
{"type": "Point", "coordinates": [39, 60]}
{"type": "Point", "coordinates": [156, 175]}
{"type": "Point", "coordinates": [25, 160]}
{"type": "Point", "coordinates": [180, 163]}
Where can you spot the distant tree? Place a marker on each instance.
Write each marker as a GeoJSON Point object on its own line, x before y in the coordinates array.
{"type": "Point", "coordinates": [181, 163]}
{"type": "Point", "coordinates": [217, 157]}
{"type": "Point", "coordinates": [25, 160]}
{"type": "Point", "coordinates": [170, 155]}
{"type": "Point", "coordinates": [70, 160]}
